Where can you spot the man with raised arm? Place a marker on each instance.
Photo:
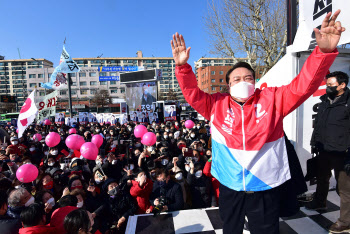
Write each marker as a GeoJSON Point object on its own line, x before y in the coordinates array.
{"type": "Point", "coordinates": [249, 156]}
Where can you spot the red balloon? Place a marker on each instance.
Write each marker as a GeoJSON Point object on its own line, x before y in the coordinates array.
{"type": "Point", "coordinates": [27, 173]}
{"type": "Point", "coordinates": [89, 151]}
{"type": "Point", "coordinates": [37, 136]}
{"type": "Point", "coordinates": [149, 139]}
{"type": "Point", "coordinates": [47, 122]}
{"type": "Point", "coordinates": [97, 140]}
{"type": "Point", "coordinates": [189, 124]}
{"type": "Point", "coordinates": [74, 141]}
{"type": "Point", "coordinates": [52, 139]}
{"type": "Point", "coordinates": [140, 130]}
{"type": "Point", "coordinates": [72, 131]}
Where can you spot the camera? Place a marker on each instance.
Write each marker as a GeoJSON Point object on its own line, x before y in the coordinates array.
{"type": "Point", "coordinates": [158, 208]}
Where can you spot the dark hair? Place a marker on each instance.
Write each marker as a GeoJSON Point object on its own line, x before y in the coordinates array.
{"type": "Point", "coordinates": [32, 215]}
{"type": "Point", "coordinates": [76, 220]}
{"type": "Point", "coordinates": [3, 198]}
{"type": "Point", "coordinates": [5, 184]}
{"type": "Point", "coordinates": [68, 200]}
{"type": "Point", "coordinates": [238, 65]}
{"type": "Point", "coordinates": [39, 195]}
{"type": "Point", "coordinates": [162, 171]}
{"type": "Point", "coordinates": [340, 76]}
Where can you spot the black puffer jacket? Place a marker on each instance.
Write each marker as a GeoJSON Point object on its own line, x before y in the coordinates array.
{"type": "Point", "coordinates": [9, 225]}
{"type": "Point", "coordinates": [173, 194]}
{"type": "Point", "coordinates": [203, 195]}
{"type": "Point", "coordinates": [332, 124]}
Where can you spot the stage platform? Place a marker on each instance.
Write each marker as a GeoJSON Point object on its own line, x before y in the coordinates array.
{"type": "Point", "coordinates": [207, 221]}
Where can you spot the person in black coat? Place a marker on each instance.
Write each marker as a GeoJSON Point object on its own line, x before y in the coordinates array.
{"type": "Point", "coordinates": [8, 225]}
{"type": "Point", "coordinates": [167, 191]}
{"type": "Point", "coordinates": [203, 195]}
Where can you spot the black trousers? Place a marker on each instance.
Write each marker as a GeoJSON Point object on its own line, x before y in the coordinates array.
{"type": "Point", "coordinates": [261, 209]}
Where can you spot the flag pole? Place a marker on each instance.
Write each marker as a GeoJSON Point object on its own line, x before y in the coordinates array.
{"type": "Point", "coordinates": [70, 95]}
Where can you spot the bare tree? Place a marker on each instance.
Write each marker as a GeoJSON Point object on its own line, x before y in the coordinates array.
{"type": "Point", "coordinates": [102, 98]}
{"type": "Point", "coordinates": [171, 95]}
{"type": "Point", "coordinates": [256, 28]}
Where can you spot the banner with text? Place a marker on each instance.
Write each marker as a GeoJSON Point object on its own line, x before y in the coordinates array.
{"type": "Point", "coordinates": [46, 106]}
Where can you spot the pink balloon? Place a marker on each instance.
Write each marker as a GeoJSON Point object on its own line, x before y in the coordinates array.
{"type": "Point", "coordinates": [149, 139]}
{"type": "Point", "coordinates": [47, 122]}
{"type": "Point", "coordinates": [52, 139]}
{"type": "Point", "coordinates": [72, 131]}
{"type": "Point", "coordinates": [140, 130]}
{"type": "Point", "coordinates": [97, 140]}
{"type": "Point", "coordinates": [74, 141]}
{"type": "Point", "coordinates": [17, 130]}
{"type": "Point", "coordinates": [37, 136]}
{"type": "Point", "coordinates": [89, 151]}
{"type": "Point", "coordinates": [27, 173]}
{"type": "Point", "coordinates": [189, 124]}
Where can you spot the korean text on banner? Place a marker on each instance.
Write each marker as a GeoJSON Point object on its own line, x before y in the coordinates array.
{"type": "Point", "coordinates": [46, 106]}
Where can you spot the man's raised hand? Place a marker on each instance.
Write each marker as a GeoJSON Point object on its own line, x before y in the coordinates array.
{"type": "Point", "coordinates": [180, 53]}
{"type": "Point", "coordinates": [328, 37]}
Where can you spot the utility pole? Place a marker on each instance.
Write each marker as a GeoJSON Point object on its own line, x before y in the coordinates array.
{"type": "Point", "coordinates": [291, 21]}
{"type": "Point", "coordinates": [70, 95]}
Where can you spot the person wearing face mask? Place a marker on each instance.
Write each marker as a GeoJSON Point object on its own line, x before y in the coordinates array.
{"type": "Point", "coordinates": [118, 206]}
{"type": "Point", "coordinates": [18, 200]}
{"type": "Point", "coordinates": [45, 198]}
{"type": "Point", "coordinates": [113, 166]}
{"type": "Point", "coordinates": [141, 189]}
{"type": "Point", "coordinates": [330, 141]}
{"type": "Point", "coordinates": [8, 225]}
{"type": "Point", "coordinates": [202, 192]}
{"type": "Point", "coordinates": [167, 191]}
{"type": "Point", "coordinates": [35, 154]}
{"type": "Point", "coordinates": [249, 120]}
{"type": "Point", "coordinates": [147, 98]}
{"type": "Point", "coordinates": [14, 146]}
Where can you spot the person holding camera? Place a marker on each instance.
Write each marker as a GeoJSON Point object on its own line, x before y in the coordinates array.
{"type": "Point", "coordinates": [166, 194]}
{"type": "Point", "coordinates": [141, 190]}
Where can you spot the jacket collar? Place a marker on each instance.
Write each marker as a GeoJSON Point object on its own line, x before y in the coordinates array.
{"type": "Point", "coordinates": [343, 98]}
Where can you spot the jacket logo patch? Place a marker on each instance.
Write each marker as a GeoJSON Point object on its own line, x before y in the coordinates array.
{"type": "Point", "coordinates": [259, 114]}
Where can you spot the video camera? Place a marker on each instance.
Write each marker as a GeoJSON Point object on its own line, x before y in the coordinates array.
{"type": "Point", "coordinates": [158, 208]}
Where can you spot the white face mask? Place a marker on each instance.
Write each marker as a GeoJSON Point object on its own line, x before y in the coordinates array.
{"type": "Point", "coordinates": [138, 145]}
{"type": "Point", "coordinates": [243, 90]}
{"type": "Point", "coordinates": [165, 136]}
{"type": "Point", "coordinates": [187, 168]}
{"type": "Point", "coordinates": [98, 181]}
{"type": "Point", "coordinates": [51, 201]}
{"type": "Point", "coordinates": [29, 202]}
{"type": "Point", "coordinates": [55, 152]}
{"type": "Point", "coordinates": [193, 135]}
{"type": "Point", "coordinates": [198, 174]}
{"type": "Point", "coordinates": [178, 176]}
{"type": "Point", "coordinates": [80, 204]}
{"type": "Point", "coordinates": [114, 162]}
{"type": "Point", "coordinates": [131, 167]}
{"type": "Point", "coordinates": [46, 153]}
{"type": "Point", "coordinates": [150, 149]}
{"type": "Point", "coordinates": [98, 162]}
{"type": "Point", "coordinates": [14, 142]}
{"type": "Point", "coordinates": [165, 162]}
{"type": "Point", "coordinates": [50, 164]}
{"type": "Point", "coordinates": [32, 149]}
{"type": "Point", "coordinates": [97, 130]}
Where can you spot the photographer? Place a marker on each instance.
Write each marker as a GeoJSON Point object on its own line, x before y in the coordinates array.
{"type": "Point", "coordinates": [167, 194]}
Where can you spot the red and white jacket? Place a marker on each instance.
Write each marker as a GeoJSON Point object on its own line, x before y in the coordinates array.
{"type": "Point", "coordinates": [248, 146]}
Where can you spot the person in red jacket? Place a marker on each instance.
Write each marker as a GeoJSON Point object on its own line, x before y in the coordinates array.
{"type": "Point", "coordinates": [67, 204]}
{"type": "Point", "coordinates": [141, 190]}
{"type": "Point", "coordinates": [214, 182]}
{"type": "Point", "coordinates": [33, 219]}
{"type": "Point", "coordinates": [249, 153]}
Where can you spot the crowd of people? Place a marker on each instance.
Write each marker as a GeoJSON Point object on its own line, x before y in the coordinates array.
{"type": "Point", "coordinates": [74, 195]}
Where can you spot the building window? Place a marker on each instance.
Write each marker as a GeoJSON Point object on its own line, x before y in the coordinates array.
{"type": "Point", "coordinates": [49, 75]}
{"type": "Point", "coordinates": [103, 82]}
{"type": "Point", "coordinates": [113, 73]}
{"type": "Point", "coordinates": [42, 93]}
{"type": "Point", "coordinates": [213, 89]}
{"type": "Point", "coordinates": [114, 91]}
{"type": "Point", "coordinates": [221, 88]}
{"type": "Point", "coordinates": [93, 91]}
{"type": "Point", "coordinates": [83, 92]}
{"type": "Point", "coordinates": [83, 83]}
{"type": "Point", "coordinates": [221, 80]}
{"type": "Point", "coordinates": [63, 92]}
{"type": "Point", "coordinates": [82, 74]}
{"type": "Point", "coordinates": [213, 72]}
{"type": "Point", "coordinates": [93, 82]}
{"type": "Point", "coordinates": [32, 85]}
{"type": "Point", "coordinates": [221, 72]}
{"type": "Point", "coordinates": [113, 82]}
{"type": "Point", "coordinates": [212, 80]}
{"type": "Point", "coordinates": [122, 90]}
{"type": "Point", "coordinates": [92, 74]}
{"type": "Point", "coordinates": [40, 75]}
{"type": "Point", "coordinates": [72, 75]}
{"type": "Point", "coordinates": [74, 83]}
{"type": "Point", "coordinates": [74, 92]}
{"type": "Point", "coordinates": [32, 75]}
{"type": "Point", "coordinates": [103, 73]}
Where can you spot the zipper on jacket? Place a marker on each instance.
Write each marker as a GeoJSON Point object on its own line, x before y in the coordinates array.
{"type": "Point", "coordinates": [243, 146]}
